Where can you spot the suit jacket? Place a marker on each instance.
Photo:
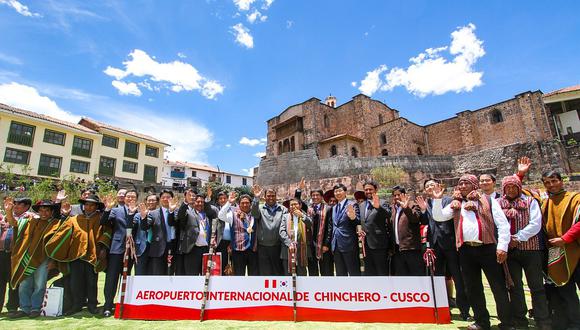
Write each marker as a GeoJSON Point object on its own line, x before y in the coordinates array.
{"type": "Point", "coordinates": [408, 228]}
{"type": "Point", "coordinates": [344, 237]}
{"type": "Point", "coordinates": [119, 220]}
{"type": "Point", "coordinates": [374, 223]}
{"type": "Point", "coordinates": [285, 236]}
{"type": "Point", "coordinates": [140, 237]}
{"type": "Point", "coordinates": [220, 224]}
{"type": "Point", "coordinates": [188, 221]}
{"type": "Point", "coordinates": [440, 234]}
{"type": "Point", "coordinates": [313, 233]}
{"type": "Point", "coordinates": [155, 221]}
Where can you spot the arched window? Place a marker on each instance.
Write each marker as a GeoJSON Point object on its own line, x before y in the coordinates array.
{"type": "Point", "coordinates": [419, 151]}
{"type": "Point", "coordinates": [286, 145]}
{"type": "Point", "coordinates": [292, 144]}
{"type": "Point", "coordinates": [384, 152]}
{"type": "Point", "coordinates": [383, 138]}
{"type": "Point", "coordinates": [496, 116]}
{"type": "Point", "coordinates": [380, 119]}
{"type": "Point", "coordinates": [326, 121]}
{"type": "Point", "coordinates": [354, 152]}
{"type": "Point", "coordinates": [333, 151]}
{"type": "Point", "coordinates": [280, 151]}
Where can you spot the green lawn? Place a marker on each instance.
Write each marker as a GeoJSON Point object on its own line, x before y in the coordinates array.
{"type": "Point", "coordinates": [87, 321]}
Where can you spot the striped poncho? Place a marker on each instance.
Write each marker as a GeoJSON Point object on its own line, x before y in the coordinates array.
{"type": "Point", "coordinates": [28, 252]}
{"type": "Point", "coordinates": [80, 237]}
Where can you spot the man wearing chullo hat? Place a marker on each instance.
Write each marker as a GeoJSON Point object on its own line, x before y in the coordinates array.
{"type": "Point", "coordinates": [29, 261]}
{"type": "Point", "coordinates": [476, 218]}
{"type": "Point", "coordinates": [83, 242]}
{"type": "Point", "coordinates": [526, 252]}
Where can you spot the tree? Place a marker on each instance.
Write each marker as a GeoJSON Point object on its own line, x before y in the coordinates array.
{"type": "Point", "coordinates": [388, 176]}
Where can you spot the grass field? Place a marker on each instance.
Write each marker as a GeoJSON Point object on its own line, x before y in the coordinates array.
{"type": "Point", "coordinates": [85, 320]}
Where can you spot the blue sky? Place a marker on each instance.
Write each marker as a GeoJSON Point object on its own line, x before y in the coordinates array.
{"type": "Point", "coordinates": [205, 75]}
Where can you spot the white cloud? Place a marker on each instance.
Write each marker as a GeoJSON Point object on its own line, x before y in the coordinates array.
{"type": "Point", "coordinates": [260, 154]}
{"type": "Point", "coordinates": [243, 4]}
{"type": "Point", "coordinates": [243, 36]}
{"type": "Point", "coordinates": [252, 142]}
{"type": "Point", "coordinates": [175, 76]}
{"type": "Point", "coordinates": [267, 4]}
{"type": "Point", "coordinates": [126, 88]}
{"type": "Point", "coordinates": [181, 55]}
{"type": "Point", "coordinates": [228, 145]}
{"type": "Point", "coordinates": [372, 82]}
{"type": "Point", "coordinates": [19, 7]}
{"type": "Point", "coordinates": [184, 147]}
{"type": "Point", "coordinates": [431, 73]}
{"type": "Point", "coordinates": [10, 59]}
{"type": "Point", "coordinates": [353, 83]}
{"type": "Point", "coordinates": [289, 24]}
{"type": "Point", "coordinates": [249, 172]}
{"type": "Point", "coordinates": [27, 98]}
{"type": "Point", "coordinates": [256, 16]}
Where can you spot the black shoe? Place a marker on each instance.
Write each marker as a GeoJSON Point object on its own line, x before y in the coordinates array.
{"type": "Point", "coordinates": [475, 326]}
{"type": "Point", "coordinates": [73, 311]}
{"type": "Point", "coordinates": [34, 314]}
{"type": "Point", "coordinates": [466, 317]}
{"type": "Point", "coordinates": [17, 315]}
{"type": "Point", "coordinates": [107, 313]}
{"type": "Point", "coordinates": [93, 310]}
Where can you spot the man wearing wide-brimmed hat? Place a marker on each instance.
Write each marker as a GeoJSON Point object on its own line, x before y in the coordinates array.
{"type": "Point", "coordinates": [83, 242]}
{"type": "Point", "coordinates": [29, 260]}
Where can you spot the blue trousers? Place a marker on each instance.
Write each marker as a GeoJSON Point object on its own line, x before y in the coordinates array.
{"type": "Point", "coordinates": [32, 289]}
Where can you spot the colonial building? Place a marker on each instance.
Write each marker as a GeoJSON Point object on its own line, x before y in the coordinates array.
{"type": "Point", "coordinates": [183, 174]}
{"type": "Point", "coordinates": [38, 145]}
{"type": "Point", "coordinates": [326, 142]}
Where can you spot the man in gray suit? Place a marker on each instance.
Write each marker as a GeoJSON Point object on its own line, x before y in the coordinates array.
{"type": "Point", "coordinates": [373, 220]}
{"type": "Point", "coordinates": [269, 217]}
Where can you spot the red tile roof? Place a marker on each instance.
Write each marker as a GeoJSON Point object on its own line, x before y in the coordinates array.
{"type": "Point", "coordinates": [97, 125]}
{"type": "Point", "coordinates": [563, 90]}
{"type": "Point", "coordinates": [46, 118]}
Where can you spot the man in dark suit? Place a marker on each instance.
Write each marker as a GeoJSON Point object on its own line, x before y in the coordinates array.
{"type": "Point", "coordinates": [345, 218]}
{"type": "Point", "coordinates": [406, 243]}
{"type": "Point", "coordinates": [143, 238]}
{"type": "Point", "coordinates": [120, 219]}
{"type": "Point", "coordinates": [159, 221]}
{"type": "Point", "coordinates": [441, 238]}
{"type": "Point", "coordinates": [321, 214]}
{"type": "Point", "coordinates": [195, 224]}
{"type": "Point", "coordinates": [373, 219]}
{"type": "Point", "coordinates": [224, 230]}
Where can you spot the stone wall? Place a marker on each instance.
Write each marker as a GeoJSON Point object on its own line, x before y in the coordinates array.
{"type": "Point", "coordinates": [284, 172]}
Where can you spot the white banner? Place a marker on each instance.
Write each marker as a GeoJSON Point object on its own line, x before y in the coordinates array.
{"type": "Point", "coordinates": [380, 299]}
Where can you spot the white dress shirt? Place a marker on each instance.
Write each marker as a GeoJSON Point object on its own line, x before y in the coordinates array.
{"type": "Point", "coordinates": [470, 227]}
{"type": "Point", "coordinates": [535, 223]}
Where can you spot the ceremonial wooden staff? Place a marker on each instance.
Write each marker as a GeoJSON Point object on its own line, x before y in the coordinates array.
{"type": "Point", "coordinates": [429, 258]}
{"type": "Point", "coordinates": [361, 247]}
{"type": "Point", "coordinates": [293, 264]}
{"type": "Point", "coordinates": [129, 252]}
{"type": "Point", "coordinates": [209, 268]}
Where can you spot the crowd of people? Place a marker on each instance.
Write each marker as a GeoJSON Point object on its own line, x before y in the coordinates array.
{"type": "Point", "coordinates": [474, 229]}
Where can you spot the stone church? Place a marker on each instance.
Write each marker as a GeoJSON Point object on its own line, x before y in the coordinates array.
{"type": "Point", "coordinates": [328, 143]}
